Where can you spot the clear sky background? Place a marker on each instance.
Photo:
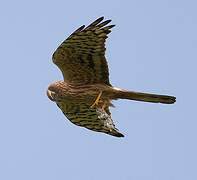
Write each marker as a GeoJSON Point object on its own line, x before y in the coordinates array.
{"type": "Point", "coordinates": [153, 48]}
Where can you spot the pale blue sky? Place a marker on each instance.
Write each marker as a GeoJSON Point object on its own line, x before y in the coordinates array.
{"type": "Point", "coordinates": [153, 48]}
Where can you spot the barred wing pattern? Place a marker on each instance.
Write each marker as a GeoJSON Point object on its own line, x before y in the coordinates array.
{"type": "Point", "coordinates": [94, 119]}
{"type": "Point", "coordinates": [81, 57]}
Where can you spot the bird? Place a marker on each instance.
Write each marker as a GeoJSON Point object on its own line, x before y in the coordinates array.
{"type": "Point", "coordinates": [85, 93]}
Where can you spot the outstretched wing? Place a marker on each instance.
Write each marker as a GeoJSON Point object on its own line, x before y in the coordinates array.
{"type": "Point", "coordinates": [95, 119]}
{"type": "Point", "coordinates": [81, 57]}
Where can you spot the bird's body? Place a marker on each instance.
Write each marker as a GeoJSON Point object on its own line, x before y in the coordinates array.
{"type": "Point", "coordinates": [88, 93]}
{"type": "Point", "coordinates": [80, 93]}
{"type": "Point", "coordinates": [86, 80]}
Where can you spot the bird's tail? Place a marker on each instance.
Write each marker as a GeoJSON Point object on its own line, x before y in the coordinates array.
{"type": "Point", "coordinates": [137, 96]}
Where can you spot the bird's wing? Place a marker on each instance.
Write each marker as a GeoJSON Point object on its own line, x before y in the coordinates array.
{"type": "Point", "coordinates": [95, 119]}
{"type": "Point", "coordinates": [81, 57]}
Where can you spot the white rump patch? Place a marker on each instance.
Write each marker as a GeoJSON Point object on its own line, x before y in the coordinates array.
{"type": "Point", "coordinates": [117, 88]}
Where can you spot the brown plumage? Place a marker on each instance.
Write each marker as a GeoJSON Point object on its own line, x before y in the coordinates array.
{"type": "Point", "coordinates": [81, 58]}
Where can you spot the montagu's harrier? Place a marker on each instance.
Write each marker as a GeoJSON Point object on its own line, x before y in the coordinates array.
{"type": "Point", "coordinates": [85, 94]}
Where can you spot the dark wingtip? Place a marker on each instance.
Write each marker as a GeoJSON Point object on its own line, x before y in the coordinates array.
{"type": "Point", "coordinates": [100, 19]}
{"type": "Point", "coordinates": [94, 23]}
{"type": "Point", "coordinates": [78, 30]}
{"type": "Point", "coordinates": [118, 134]}
{"type": "Point", "coordinates": [97, 21]}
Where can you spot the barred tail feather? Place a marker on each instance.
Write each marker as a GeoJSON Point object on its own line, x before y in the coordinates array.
{"type": "Point", "coordinates": [138, 96]}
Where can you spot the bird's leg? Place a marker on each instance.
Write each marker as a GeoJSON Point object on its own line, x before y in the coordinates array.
{"type": "Point", "coordinates": [97, 100]}
{"type": "Point", "coordinates": [103, 106]}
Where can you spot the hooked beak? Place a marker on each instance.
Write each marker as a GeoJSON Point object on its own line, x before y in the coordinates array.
{"type": "Point", "coordinates": [50, 95]}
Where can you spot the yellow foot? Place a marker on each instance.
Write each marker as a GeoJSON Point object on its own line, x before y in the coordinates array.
{"type": "Point", "coordinates": [103, 107]}
{"type": "Point", "coordinates": [97, 100]}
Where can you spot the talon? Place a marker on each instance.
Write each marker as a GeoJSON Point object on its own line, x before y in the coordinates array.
{"type": "Point", "coordinates": [97, 100]}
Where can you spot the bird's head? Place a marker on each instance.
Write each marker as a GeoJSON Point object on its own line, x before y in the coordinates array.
{"type": "Point", "coordinates": [53, 92]}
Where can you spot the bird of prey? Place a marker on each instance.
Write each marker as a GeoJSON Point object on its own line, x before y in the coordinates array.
{"type": "Point", "coordinates": [85, 94]}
